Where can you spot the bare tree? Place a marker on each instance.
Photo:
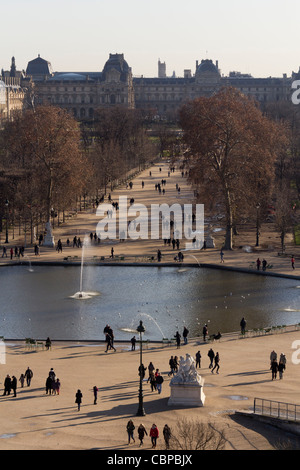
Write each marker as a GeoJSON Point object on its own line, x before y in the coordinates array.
{"type": "Point", "coordinates": [196, 435]}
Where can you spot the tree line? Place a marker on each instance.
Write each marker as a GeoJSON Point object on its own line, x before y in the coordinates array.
{"type": "Point", "coordinates": [243, 160]}
{"type": "Point", "coordinates": [48, 162]}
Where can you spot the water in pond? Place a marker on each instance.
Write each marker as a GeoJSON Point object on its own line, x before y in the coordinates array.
{"type": "Point", "coordinates": [39, 302]}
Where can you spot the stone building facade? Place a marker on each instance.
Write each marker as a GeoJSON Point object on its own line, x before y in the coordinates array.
{"type": "Point", "coordinates": [82, 93]}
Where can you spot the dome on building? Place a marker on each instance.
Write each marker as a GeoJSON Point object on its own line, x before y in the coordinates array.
{"type": "Point", "coordinates": [39, 67]}
{"type": "Point", "coordinates": [207, 66]}
{"type": "Point", "coordinates": [118, 63]}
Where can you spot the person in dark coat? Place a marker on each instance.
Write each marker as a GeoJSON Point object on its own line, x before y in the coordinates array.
{"type": "Point", "coordinates": [78, 399]}
{"type": "Point", "coordinates": [185, 334]}
{"type": "Point", "coordinates": [14, 385]}
{"type": "Point", "coordinates": [7, 385]}
{"type": "Point", "coordinates": [274, 369]}
{"type": "Point", "coordinates": [211, 356]}
{"type": "Point", "coordinates": [133, 341]}
{"type": "Point", "coordinates": [28, 376]}
{"type": "Point", "coordinates": [95, 391]}
{"type": "Point", "coordinates": [167, 435]}
{"type": "Point", "coordinates": [141, 433]}
{"type": "Point", "coordinates": [177, 337]}
{"type": "Point", "coordinates": [198, 359]}
{"type": "Point", "coordinates": [49, 383]}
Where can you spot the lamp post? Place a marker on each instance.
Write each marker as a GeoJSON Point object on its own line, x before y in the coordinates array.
{"type": "Point", "coordinates": [141, 411]}
{"type": "Point", "coordinates": [257, 224]}
{"type": "Point", "coordinates": [6, 232]}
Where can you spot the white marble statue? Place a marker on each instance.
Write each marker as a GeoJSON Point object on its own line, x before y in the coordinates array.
{"type": "Point", "coordinates": [187, 372]}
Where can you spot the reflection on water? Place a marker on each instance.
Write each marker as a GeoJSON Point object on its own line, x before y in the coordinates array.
{"type": "Point", "coordinates": [38, 304]}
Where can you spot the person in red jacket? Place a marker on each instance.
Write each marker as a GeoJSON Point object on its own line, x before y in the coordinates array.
{"type": "Point", "coordinates": [154, 434]}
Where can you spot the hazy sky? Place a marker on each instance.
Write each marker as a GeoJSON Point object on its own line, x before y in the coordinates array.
{"type": "Point", "coordinates": [257, 37]}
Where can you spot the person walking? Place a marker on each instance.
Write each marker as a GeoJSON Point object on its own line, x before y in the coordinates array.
{"type": "Point", "coordinates": [109, 343]}
{"type": "Point", "coordinates": [217, 363]}
{"type": "Point", "coordinates": [154, 434]}
{"type": "Point", "coordinates": [56, 387]}
{"type": "Point", "coordinates": [14, 385]}
{"type": "Point", "coordinates": [222, 255]}
{"type": "Point", "coordinates": [150, 370]}
{"type": "Point", "coordinates": [281, 368]}
{"type": "Point", "coordinates": [49, 385]}
{"type": "Point", "coordinates": [159, 382]}
{"type": "Point", "coordinates": [78, 399]}
{"type": "Point", "coordinates": [171, 364]}
{"type": "Point", "coordinates": [28, 376]}
{"type": "Point", "coordinates": [130, 429]}
{"type": "Point", "coordinates": [198, 359]}
{"type": "Point", "coordinates": [273, 356]}
{"type": "Point", "coordinates": [211, 355]}
{"type": "Point", "coordinates": [274, 369]}
{"type": "Point", "coordinates": [22, 380]}
{"type": "Point", "coordinates": [95, 392]}
{"type": "Point", "coordinates": [293, 262]}
{"type": "Point", "coordinates": [167, 435]}
{"type": "Point", "coordinates": [141, 433]}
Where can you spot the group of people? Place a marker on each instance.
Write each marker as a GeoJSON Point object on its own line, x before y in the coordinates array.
{"type": "Point", "coordinates": [262, 263]}
{"type": "Point", "coordinates": [52, 383]}
{"type": "Point", "coordinates": [10, 383]}
{"type": "Point", "coordinates": [109, 338]}
{"type": "Point", "coordinates": [153, 434]}
{"type": "Point", "coordinates": [277, 366]}
{"type": "Point", "coordinates": [18, 251]}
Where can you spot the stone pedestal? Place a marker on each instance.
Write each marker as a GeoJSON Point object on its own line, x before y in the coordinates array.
{"type": "Point", "coordinates": [187, 385]}
{"type": "Point", "coordinates": [210, 242]}
{"type": "Point", "coordinates": [187, 394]}
{"type": "Point", "coordinates": [48, 238]}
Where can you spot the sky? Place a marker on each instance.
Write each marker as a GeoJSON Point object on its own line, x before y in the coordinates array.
{"type": "Point", "coordinates": [260, 37]}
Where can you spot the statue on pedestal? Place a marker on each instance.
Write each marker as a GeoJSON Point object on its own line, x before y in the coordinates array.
{"type": "Point", "coordinates": [48, 239]}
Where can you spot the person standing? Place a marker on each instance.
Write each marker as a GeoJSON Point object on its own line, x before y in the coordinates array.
{"type": "Point", "coordinates": [28, 376]}
{"type": "Point", "coordinates": [14, 385]}
{"type": "Point", "coordinates": [78, 399]}
{"type": "Point", "coordinates": [171, 364]}
{"type": "Point", "coordinates": [154, 434]}
{"type": "Point", "coordinates": [217, 363]}
{"type": "Point", "coordinates": [141, 433]}
{"type": "Point", "coordinates": [258, 264]}
{"type": "Point", "coordinates": [7, 385]}
{"type": "Point", "coordinates": [243, 324]}
{"type": "Point", "coordinates": [185, 334]}
{"type": "Point", "coordinates": [177, 337]}
{"type": "Point", "coordinates": [222, 255]}
{"type": "Point", "coordinates": [198, 359]}
{"type": "Point", "coordinates": [133, 341]}
{"type": "Point", "coordinates": [211, 356]}
{"type": "Point", "coordinates": [130, 429]}
{"type": "Point", "coordinates": [167, 435]}
{"type": "Point", "coordinates": [205, 332]}
{"type": "Point", "coordinates": [95, 392]}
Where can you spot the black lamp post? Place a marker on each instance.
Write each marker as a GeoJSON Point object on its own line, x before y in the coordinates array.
{"type": "Point", "coordinates": [141, 411]}
{"type": "Point", "coordinates": [6, 232]}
